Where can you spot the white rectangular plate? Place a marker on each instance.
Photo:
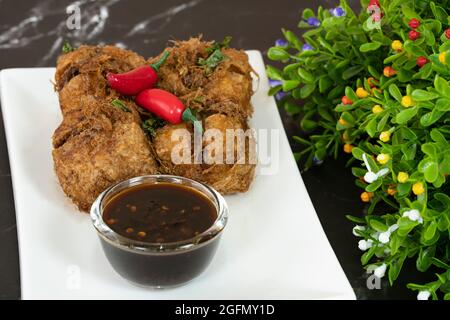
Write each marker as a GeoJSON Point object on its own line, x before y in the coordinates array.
{"type": "Point", "coordinates": [273, 247]}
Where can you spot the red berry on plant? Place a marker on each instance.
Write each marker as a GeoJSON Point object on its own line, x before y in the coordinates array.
{"type": "Point", "coordinates": [421, 61]}
{"type": "Point", "coordinates": [374, 3]}
{"type": "Point", "coordinates": [414, 23]}
{"type": "Point", "coordinates": [447, 33]}
{"type": "Point", "coordinates": [346, 101]}
{"type": "Point", "coordinates": [389, 72]}
{"type": "Point", "coordinates": [414, 35]}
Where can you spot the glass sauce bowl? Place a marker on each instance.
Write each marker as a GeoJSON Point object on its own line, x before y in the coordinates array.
{"type": "Point", "coordinates": [159, 265]}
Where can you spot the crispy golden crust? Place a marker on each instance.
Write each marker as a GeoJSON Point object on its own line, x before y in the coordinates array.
{"type": "Point", "coordinates": [225, 178]}
{"type": "Point", "coordinates": [97, 144]}
{"type": "Point", "coordinates": [227, 90]}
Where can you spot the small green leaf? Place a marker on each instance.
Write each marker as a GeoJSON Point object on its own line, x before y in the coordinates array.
{"type": "Point", "coordinates": [442, 86]}
{"type": "Point", "coordinates": [430, 231]}
{"type": "Point", "coordinates": [377, 225]}
{"type": "Point", "coordinates": [395, 92]}
{"type": "Point", "coordinates": [371, 46]}
{"type": "Point", "coordinates": [405, 115]}
{"type": "Point", "coordinates": [374, 185]}
{"type": "Point", "coordinates": [288, 85]}
{"type": "Point", "coordinates": [305, 75]}
{"type": "Point", "coordinates": [351, 72]}
{"type": "Point", "coordinates": [357, 153]}
{"type": "Point", "coordinates": [405, 225]}
{"type": "Point", "coordinates": [274, 73]}
{"type": "Point", "coordinates": [382, 123]}
{"type": "Point", "coordinates": [307, 90]}
{"type": "Point", "coordinates": [424, 258]}
{"type": "Point", "coordinates": [431, 172]}
{"type": "Point", "coordinates": [324, 84]}
{"type": "Point", "coordinates": [422, 95]}
{"type": "Point", "coordinates": [277, 54]}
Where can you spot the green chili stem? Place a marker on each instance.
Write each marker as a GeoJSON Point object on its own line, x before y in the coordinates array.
{"type": "Point", "coordinates": [158, 63]}
{"type": "Point", "coordinates": [189, 116]}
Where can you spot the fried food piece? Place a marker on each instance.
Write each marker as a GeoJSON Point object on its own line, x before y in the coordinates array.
{"type": "Point", "coordinates": [229, 177]}
{"type": "Point", "coordinates": [165, 143]}
{"type": "Point", "coordinates": [226, 90]}
{"type": "Point", "coordinates": [97, 144]}
{"type": "Point", "coordinates": [238, 175]}
{"type": "Point", "coordinates": [80, 74]}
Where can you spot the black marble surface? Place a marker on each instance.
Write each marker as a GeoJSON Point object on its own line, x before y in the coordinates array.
{"type": "Point", "coordinates": [31, 33]}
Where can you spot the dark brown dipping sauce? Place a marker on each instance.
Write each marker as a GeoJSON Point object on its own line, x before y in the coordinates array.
{"type": "Point", "coordinates": [160, 213]}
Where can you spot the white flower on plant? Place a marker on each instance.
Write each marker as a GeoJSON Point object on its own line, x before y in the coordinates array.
{"type": "Point", "coordinates": [371, 176]}
{"type": "Point", "coordinates": [384, 237]}
{"type": "Point", "coordinates": [413, 215]}
{"type": "Point", "coordinates": [393, 227]}
{"type": "Point", "coordinates": [423, 295]}
{"type": "Point", "coordinates": [358, 228]}
{"type": "Point", "coordinates": [380, 271]}
{"type": "Point", "coordinates": [365, 244]}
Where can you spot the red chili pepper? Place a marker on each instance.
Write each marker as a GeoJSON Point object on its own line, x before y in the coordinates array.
{"type": "Point", "coordinates": [414, 23]}
{"type": "Point", "coordinates": [166, 106]}
{"type": "Point", "coordinates": [132, 82]}
{"type": "Point", "coordinates": [421, 61]}
{"type": "Point", "coordinates": [447, 33]}
{"type": "Point", "coordinates": [414, 35]}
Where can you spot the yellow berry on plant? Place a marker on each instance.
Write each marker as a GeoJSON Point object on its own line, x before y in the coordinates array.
{"type": "Point", "coordinates": [383, 158]}
{"type": "Point", "coordinates": [397, 45]}
{"type": "Point", "coordinates": [391, 191]}
{"type": "Point", "coordinates": [361, 93]}
{"type": "Point", "coordinates": [377, 109]}
{"type": "Point", "coordinates": [342, 121]}
{"type": "Point", "coordinates": [442, 57]}
{"type": "Point", "coordinates": [348, 148]}
{"type": "Point", "coordinates": [385, 136]}
{"type": "Point", "coordinates": [366, 196]}
{"type": "Point", "coordinates": [418, 188]}
{"type": "Point", "coordinates": [407, 101]}
{"type": "Point", "coordinates": [402, 177]}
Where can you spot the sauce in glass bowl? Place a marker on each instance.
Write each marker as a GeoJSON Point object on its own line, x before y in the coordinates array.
{"type": "Point", "coordinates": [159, 231]}
{"type": "Point", "coordinates": [160, 213]}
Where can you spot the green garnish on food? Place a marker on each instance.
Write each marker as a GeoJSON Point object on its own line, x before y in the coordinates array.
{"type": "Point", "coordinates": [119, 104]}
{"type": "Point", "coordinates": [152, 124]}
{"type": "Point", "coordinates": [199, 100]}
{"type": "Point", "coordinates": [67, 47]}
{"type": "Point", "coordinates": [215, 55]}
{"type": "Point", "coordinates": [219, 45]}
{"type": "Point", "coordinates": [212, 61]}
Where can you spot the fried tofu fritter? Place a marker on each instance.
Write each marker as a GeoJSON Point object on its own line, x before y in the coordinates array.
{"type": "Point", "coordinates": [97, 144]}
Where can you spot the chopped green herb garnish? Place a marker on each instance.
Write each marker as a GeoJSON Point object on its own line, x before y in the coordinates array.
{"type": "Point", "coordinates": [215, 55]}
{"type": "Point", "coordinates": [199, 99]}
{"type": "Point", "coordinates": [67, 47]}
{"type": "Point", "coordinates": [224, 44]}
{"type": "Point", "coordinates": [119, 104]}
{"type": "Point", "coordinates": [152, 124]}
{"type": "Point", "coordinates": [212, 61]}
